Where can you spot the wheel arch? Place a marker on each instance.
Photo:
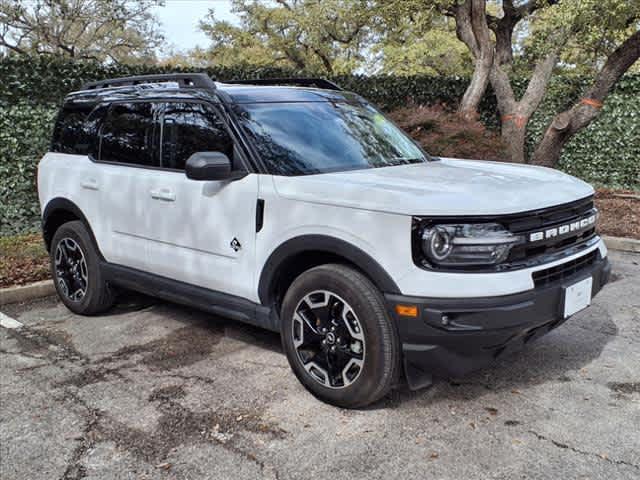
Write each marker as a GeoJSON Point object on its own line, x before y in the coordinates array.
{"type": "Point", "coordinates": [59, 211]}
{"type": "Point", "coordinates": [298, 254]}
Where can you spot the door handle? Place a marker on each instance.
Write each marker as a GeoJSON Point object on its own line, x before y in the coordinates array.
{"type": "Point", "coordinates": [163, 194]}
{"type": "Point", "coordinates": [89, 184]}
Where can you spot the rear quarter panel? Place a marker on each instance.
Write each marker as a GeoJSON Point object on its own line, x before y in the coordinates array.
{"type": "Point", "coordinates": [61, 175]}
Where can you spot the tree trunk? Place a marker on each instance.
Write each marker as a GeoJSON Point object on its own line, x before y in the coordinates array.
{"type": "Point", "coordinates": [550, 147]}
{"type": "Point", "coordinates": [567, 123]}
{"type": "Point", "coordinates": [472, 29]}
{"type": "Point", "coordinates": [514, 136]}
{"type": "Point", "coordinates": [468, 108]}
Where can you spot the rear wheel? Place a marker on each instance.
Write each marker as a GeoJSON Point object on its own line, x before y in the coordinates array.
{"type": "Point", "coordinates": [338, 337]}
{"type": "Point", "coordinates": [75, 267]}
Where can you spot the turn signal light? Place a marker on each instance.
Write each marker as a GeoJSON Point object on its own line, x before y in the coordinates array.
{"type": "Point", "coordinates": [407, 310]}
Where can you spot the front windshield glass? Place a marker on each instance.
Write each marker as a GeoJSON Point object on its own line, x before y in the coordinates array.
{"type": "Point", "coordinates": [320, 137]}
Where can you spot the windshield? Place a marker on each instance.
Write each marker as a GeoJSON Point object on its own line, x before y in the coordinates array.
{"type": "Point", "coordinates": [320, 137]}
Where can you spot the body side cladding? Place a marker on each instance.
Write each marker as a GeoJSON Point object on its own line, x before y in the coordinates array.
{"type": "Point", "coordinates": [259, 214]}
{"type": "Point", "coordinates": [279, 258]}
{"type": "Point", "coordinates": [61, 210]}
{"type": "Point", "coordinates": [212, 301]}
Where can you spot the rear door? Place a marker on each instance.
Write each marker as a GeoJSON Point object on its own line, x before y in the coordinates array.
{"type": "Point", "coordinates": [128, 152]}
{"type": "Point", "coordinates": [202, 232]}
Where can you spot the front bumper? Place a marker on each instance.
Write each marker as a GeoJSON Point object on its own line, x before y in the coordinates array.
{"type": "Point", "coordinates": [451, 337]}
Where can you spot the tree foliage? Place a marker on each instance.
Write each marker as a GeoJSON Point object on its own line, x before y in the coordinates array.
{"type": "Point", "coordinates": [584, 32]}
{"type": "Point", "coordinates": [102, 30]}
{"type": "Point", "coordinates": [412, 41]}
{"type": "Point", "coordinates": [325, 36]}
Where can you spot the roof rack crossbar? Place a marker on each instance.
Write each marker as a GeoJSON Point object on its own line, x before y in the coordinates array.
{"type": "Point", "coordinates": [184, 80]}
{"type": "Point", "coordinates": [301, 82]}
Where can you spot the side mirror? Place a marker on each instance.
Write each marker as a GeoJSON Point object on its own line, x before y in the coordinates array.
{"type": "Point", "coordinates": [210, 166]}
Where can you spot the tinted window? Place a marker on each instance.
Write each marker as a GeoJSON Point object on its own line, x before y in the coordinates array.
{"type": "Point", "coordinates": [70, 134]}
{"type": "Point", "coordinates": [128, 133]}
{"type": "Point", "coordinates": [317, 137]}
{"type": "Point", "coordinates": [190, 128]}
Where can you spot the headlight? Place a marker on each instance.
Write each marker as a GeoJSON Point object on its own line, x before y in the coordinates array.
{"type": "Point", "coordinates": [467, 244]}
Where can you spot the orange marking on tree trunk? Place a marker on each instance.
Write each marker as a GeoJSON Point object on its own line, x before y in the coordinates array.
{"type": "Point", "coordinates": [519, 120]}
{"type": "Point", "coordinates": [592, 102]}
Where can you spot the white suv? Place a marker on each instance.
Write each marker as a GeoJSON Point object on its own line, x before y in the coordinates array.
{"type": "Point", "coordinates": [298, 207]}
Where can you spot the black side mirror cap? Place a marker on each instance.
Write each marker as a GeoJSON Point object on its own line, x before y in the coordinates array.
{"type": "Point", "coordinates": [211, 166]}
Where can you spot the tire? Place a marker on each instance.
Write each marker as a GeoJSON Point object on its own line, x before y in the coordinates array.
{"type": "Point", "coordinates": [75, 267]}
{"type": "Point", "coordinates": [338, 337]}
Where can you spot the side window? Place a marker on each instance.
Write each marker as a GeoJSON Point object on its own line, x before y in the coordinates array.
{"type": "Point", "coordinates": [128, 133]}
{"type": "Point", "coordinates": [190, 128]}
{"type": "Point", "coordinates": [69, 133]}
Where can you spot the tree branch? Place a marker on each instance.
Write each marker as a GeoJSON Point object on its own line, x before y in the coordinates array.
{"type": "Point", "coordinates": [567, 123]}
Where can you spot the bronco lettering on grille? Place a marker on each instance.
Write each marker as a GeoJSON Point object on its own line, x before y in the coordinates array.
{"type": "Point", "coordinates": [562, 230]}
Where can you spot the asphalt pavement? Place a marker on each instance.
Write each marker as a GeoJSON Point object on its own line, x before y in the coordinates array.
{"type": "Point", "coordinates": [153, 390]}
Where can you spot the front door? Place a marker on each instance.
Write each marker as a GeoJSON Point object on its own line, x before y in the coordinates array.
{"type": "Point", "coordinates": [201, 232]}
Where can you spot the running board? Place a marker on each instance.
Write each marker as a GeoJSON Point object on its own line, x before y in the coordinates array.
{"type": "Point", "coordinates": [211, 301]}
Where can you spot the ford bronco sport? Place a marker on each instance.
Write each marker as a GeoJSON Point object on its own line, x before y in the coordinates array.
{"type": "Point", "coordinates": [298, 207]}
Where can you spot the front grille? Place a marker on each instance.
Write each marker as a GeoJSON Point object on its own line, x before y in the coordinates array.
{"type": "Point", "coordinates": [564, 270]}
{"type": "Point", "coordinates": [532, 250]}
{"type": "Point", "coordinates": [543, 220]}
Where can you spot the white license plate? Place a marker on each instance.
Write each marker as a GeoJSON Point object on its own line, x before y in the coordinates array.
{"type": "Point", "coordinates": [577, 296]}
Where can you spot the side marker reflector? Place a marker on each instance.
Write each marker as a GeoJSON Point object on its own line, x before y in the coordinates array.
{"type": "Point", "coordinates": [407, 310]}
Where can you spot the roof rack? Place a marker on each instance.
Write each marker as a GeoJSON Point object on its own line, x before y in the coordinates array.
{"type": "Point", "coordinates": [184, 80]}
{"type": "Point", "coordinates": [300, 82]}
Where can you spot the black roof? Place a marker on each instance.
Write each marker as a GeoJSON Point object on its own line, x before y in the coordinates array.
{"type": "Point", "coordinates": [200, 86]}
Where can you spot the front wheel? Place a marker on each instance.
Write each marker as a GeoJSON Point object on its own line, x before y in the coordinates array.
{"type": "Point", "coordinates": [338, 337]}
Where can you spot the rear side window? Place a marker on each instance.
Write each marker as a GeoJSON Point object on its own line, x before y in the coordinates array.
{"type": "Point", "coordinates": [70, 133]}
{"type": "Point", "coordinates": [128, 135]}
{"type": "Point", "coordinates": [189, 128]}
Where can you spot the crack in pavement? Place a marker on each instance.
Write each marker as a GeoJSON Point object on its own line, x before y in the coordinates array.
{"type": "Point", "coordinates": [195, 378]}
{"type": "Point", "coordinates": [75, 469]}
{"type": "Point", "coordinates": [26, 355]}
{"type": "Point", "coordinates": [268, 471]}
{"type": "Point", "coordinates": [599, 456]}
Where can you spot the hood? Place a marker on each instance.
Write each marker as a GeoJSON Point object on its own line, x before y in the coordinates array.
{"type": "Point", "coordinates": [444, 187]}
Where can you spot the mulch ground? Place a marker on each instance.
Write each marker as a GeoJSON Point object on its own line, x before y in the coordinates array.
{"type": "Point", "coordinates": [23, 258]}
{"type": "Point", "coordinates": [619, 213]}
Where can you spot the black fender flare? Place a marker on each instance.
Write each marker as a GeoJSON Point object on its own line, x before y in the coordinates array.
{"type": "Point", "coordinates": [322, 243]}
{"type": "Point", "coordinates": [60, 204]}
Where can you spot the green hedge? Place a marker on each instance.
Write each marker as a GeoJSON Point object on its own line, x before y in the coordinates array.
{"type": "Point", "coordinates": [25, 131]}
{"type": "Point", "coordinates": [607, 153]}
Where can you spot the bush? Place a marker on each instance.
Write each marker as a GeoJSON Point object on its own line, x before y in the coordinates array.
{"type": "Point", "coordinates": [24, 137]}
{"type": "Point", "coordinates": [606, 153]}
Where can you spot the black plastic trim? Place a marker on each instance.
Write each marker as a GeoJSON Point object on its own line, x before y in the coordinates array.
{"type": "Point", "coordinates": [59, 204]}
{"type": "Point", "coordinates": [589, 237]}
{"type": "Point", "coordinates": [321, 243]}
{"type": "Point", "coordinates": [451, 337]}
{"type": "Point", "coordinates": [212, 301]}
{"type": "Point", "coordinates": [259, 214]}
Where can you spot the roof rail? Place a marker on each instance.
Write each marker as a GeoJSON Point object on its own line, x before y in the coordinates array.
{"type": "Point", "coordinates": [300, 82]}
{"type": "Point", "coordinates": [184, 80]}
